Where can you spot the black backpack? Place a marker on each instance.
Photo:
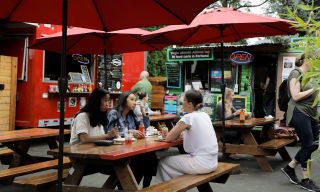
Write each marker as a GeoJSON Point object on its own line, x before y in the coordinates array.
{"type": "Point", "coordinates": [284, 97]}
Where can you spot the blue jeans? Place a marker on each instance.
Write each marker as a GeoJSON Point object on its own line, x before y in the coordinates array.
{"type": "Point", "coordinates": [308, 132]}
{"type": "Point", "coordinates": [146, 121]}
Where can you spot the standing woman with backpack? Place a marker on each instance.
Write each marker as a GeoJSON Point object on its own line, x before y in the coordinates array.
{"type": "Point", "coordinates": [304, 118]}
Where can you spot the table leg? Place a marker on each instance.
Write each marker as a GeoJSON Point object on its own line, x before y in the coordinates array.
{"type": "Point", "coordinates": [19, 157]}
{"type": "Point", "coordinates": [205, 188]}
{"type": "Point", "coordinates": [248, 139]}
{"type": "Point", "coordinates": [111, 182]}
{"type": "Point", "coordinates": [218, 135]}
{"type": "Point", "coordinates": [52, 143]}
{"type": "Point", "coordinates": [75, 177]}
{"type": "Point", "coordinates": [284, 154]}
{"type": "Point", "coordinates": [125, 175]}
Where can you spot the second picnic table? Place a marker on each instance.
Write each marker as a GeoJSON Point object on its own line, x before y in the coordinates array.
{"type": "Point", "coordinates": [250, 146]}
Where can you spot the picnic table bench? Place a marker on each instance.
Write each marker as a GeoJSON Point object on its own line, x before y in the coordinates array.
{"type": "Point", "coordinates": [186, 182]}
{"type": "Point", "coordinates": [157, 120]}
{"type": "Point", "coordinates": [250, 146]}
{"type": "Point", "coordinates": [6, 155]}
{"type": "Point", "coordinates": [22, 163]}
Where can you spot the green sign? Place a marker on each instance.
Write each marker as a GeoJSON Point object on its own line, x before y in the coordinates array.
{"type": "Point", "coordinates": [190, 54]}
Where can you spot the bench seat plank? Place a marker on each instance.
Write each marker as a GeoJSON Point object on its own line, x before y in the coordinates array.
{"type": "Point", "coordinates": [32, 168]}
{"type": "Point", "coordinates": [186, 182]}
{"type": "Point", "coordinates": [6, 152]}
{"type": "Point", "coordinates": [276, 143]}
{"type": "Point", "coordinates": [42, 179]}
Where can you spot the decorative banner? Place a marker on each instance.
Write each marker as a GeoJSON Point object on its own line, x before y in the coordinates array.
{"type": "Point", "coordinates": [241, 57]}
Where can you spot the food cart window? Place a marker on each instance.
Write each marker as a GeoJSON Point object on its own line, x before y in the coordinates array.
{"type": "Point", "coordinates": [230, 75]}
{"type": "Point", "coordinates": [78, 67]}
{"type": "Point", "coordinates": [196, 74]}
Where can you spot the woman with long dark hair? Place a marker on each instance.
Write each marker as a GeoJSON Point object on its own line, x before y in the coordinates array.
{"type": "Point", "coordinates": [88, 124]}
{"type": "Point", "coordinates": [123, 117]}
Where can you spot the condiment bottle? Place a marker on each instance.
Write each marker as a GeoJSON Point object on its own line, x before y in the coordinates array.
{"type": "Point", "coordinates": [242, 115]}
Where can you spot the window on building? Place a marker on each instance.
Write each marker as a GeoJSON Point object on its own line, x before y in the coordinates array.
{"type": "Point", "coordinates": [78, 67]}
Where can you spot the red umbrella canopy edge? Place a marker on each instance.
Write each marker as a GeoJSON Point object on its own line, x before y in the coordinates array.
{"type": "Point", "coordinates": [235, 25]}
{"type": "Point", "coordinates": [88, 41]}
{"type": "Point", "coordinates": [107, 15]}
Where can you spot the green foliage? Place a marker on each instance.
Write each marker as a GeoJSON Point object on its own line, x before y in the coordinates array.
{"type": "Point", "coordinates": [156, 63]}
{"type": "Point", "coordinates": [310, 25]}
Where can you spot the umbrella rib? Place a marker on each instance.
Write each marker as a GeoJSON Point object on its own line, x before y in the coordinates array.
{"type": "Point", "coordinates": [277, 28]}
{"type": "Point", "coordinates": [189, 36]}
{"type": "Point", "coordinates": [74, 43]}
{"type": "Point", "coordinates": [38, 43]}
{"type": "Point", "coordinates": [153, 47]}
{"type": "Point", "coordinates": [171, 12]}
{"type": "Point", "coordinates": [104, 28]}
{"type": "Point", "coordinates": [236, 32]}
{"type": "Point", "coordinates": [14, 9]}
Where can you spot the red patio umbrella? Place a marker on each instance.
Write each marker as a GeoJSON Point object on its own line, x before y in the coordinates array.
{"type": "Point", "coordinates": [219, 26]}
{"type": "Point", "coordinates": [105, 15]}
{"type": "Point", "coordinates": [89, 41]}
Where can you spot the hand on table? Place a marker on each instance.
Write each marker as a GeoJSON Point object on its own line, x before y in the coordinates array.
{"type": "Point", "coordinates": [113, 133]}
{"type": "Point", "coordinates": [138, 134]}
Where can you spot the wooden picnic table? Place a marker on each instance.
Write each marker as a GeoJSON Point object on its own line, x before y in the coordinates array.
{"type": "Point", "coordinates": [157, 120]}
{"type": "Point", "coordinates": [118, 156]}
{"type": "Point", "coordinates": [20, 141]}
{"type": "Point", "coordinates": [250, 146]}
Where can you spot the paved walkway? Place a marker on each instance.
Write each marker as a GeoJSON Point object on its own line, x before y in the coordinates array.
{"type": "Point", "coordinates": [251, 177]}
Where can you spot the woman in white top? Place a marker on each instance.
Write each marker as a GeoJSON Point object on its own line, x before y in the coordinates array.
{"type": "Point", "coordinates": [89, 122]}
{"type": "Point", "coordinates": [199, 141]}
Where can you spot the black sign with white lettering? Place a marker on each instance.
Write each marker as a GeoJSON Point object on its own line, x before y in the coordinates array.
{"type": "Point", "coordinates": [110, 75]}
{"type": "Point", "coordinates": [173, 71]}
{"type": "Point", "coordinates": [190, 54]}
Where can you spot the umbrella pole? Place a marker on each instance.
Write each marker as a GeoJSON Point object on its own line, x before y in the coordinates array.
{"type": "Point", "coordinates": [222, 88]}
{"type": "Point", "coordinates": [105, 63]}
{"type": "Point", "coordinates": [63, 83]}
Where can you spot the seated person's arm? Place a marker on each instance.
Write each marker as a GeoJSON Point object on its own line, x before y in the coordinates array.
{"type": "Point", "coordinates": [175, 132]}
{"type": "Point", "coordinates": [85, 138]}
{"type": "Point", "coordinates": [228, 117]}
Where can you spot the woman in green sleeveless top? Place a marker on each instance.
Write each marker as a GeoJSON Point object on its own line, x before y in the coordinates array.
{"type": "Point", "coordinates": [304, 118]}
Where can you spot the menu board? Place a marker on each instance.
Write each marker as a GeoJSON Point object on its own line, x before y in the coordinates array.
{"type": "Point", "coordinates": [173, 72]}
{"type": "Point", "coordinates": [239, 102]}
{"type": "Point", "coordinates": [110, 75]}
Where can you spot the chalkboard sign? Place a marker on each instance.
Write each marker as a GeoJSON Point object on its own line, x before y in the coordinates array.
{"type": "Point", "coordinates": [239, 102]}
{"type": "Point", "coordinates": [173, 72]}
{"type": "Point", "coordinates": [110, 75]}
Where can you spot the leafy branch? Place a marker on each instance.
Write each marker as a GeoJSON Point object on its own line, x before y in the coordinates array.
{"type": "Point", "coordinates": [311, 41]}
